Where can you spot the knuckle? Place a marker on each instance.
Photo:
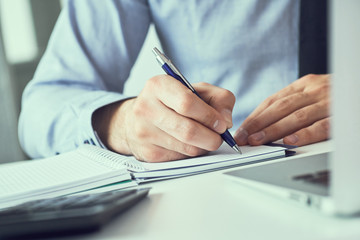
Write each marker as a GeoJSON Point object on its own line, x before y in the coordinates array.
{"type": "Point", "coordinates": [203, 84]}
{"type": "Point", "coordinates": [188, 131]}
{"type": "Point", "coordinates": [325, 127]}
{"type": "Point", "coordinates": [326, 86]}
{"type": "Point", "coordinates": [227, 94]}
{"type": "Point", "coordinates": [301, 116]}
{"type": "Point", "coordinates": [270, 101]}
{"type": "Point", "coordinates": [323, 107]}
{"type": "Point", "coordinates": [277, 130]}
{"type": "Point", "coordinates": [157, 81]}
{"type": "Point", "coordinates": [215, 144]}
{"type": "Point", "coordinates": [304, 95]}
{"type": "Point", "coordinates": [284, 104]}
{"type": "Point", "coordinates": [138, 156]}
{"type": "Point", "coordinates": [185, 103]}
{"type": "Point", "coordinates": [192, 151]}
{"type": "Point", "coordinates": [306, 133]}
{"type": "Point", "coordinates": [209, 119]}
{"type": "Point", "coordinates": [320, 83]}
{"type": "Point", "coordinates": [153, 82]}
{"type": "Point", "coordinates": [139, 109]}
{"type": "Point", "coordinates": [254, 125]}
{"type": "Point", "coordinates": [324, 91]}
{"type": "Point", "coordinates": [273, 133]}
{"type": "Point", "coordinates": [309, 77]}
{"type": "Point", "coordinates": [152, 155]}
{"type": "Point", "coordinates": [326, 106]}
{"type": "Point", "coordinates": [140, 133]}
{"type": "Point", "coordinates": [292, 88]}
{"type": "Point", "coordinates": [230, 97]}
{"type": "Point", "coordinates": [321, 91]}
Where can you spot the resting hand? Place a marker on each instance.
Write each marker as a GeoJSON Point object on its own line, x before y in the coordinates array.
{"type": "Point", "coordinates": [299, 114]}
{"type": "Point", "coordinates": [166, 121]}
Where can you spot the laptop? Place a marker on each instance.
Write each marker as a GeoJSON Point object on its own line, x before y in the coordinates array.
{"type": "Point", "coordinates": [329, 181]}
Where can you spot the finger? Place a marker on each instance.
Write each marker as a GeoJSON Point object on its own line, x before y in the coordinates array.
{"type": "Point", "coordinates": [308, 83]}
{"type": "Point", "coordinates": [299, 119]}
{"type": "Point", "coordinates": [319, 131]}
{"type": "Point", "coordinates": [287, 91]}
{"type": "Point", "coordinates": [187, 131]}
{"type": "Point", "coordinates": [176, 146]}
{"type": "Point", "coordinates": [254, 122]}
{"type": "Point", "coordinates": [219, 98]}
{"type": "Point", "coordinates": [153, 153]}
{"type": "Point", "coordinates": [179, 98]}
{"type": "Point", "coordinates": [172, 144]}
{"type": "Point", "coordinates": [153, 136]}
{"type": "Point", "coordinates": [162, 139]}
{"type": "Point", "coordinates": [149, 143]}
{"type": "Point", "coordinates": [277, 111]}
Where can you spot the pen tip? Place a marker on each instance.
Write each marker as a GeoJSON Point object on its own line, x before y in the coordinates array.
{"type": "Point", "coordinates": [237, 148]}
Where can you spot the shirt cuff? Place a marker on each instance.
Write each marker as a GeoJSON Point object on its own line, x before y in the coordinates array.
{"type": "Point", "coordinates": [96, 100]}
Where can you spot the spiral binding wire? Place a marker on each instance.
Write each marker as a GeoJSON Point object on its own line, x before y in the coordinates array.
{"type": "Point", "coordinates": [116, 161]}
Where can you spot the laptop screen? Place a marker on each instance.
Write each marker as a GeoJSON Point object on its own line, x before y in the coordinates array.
{"type": "Point", "coordinates": [345, 64]}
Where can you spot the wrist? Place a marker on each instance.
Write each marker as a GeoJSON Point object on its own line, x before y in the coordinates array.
{"type": "Point", "coordinates": [109, 123]}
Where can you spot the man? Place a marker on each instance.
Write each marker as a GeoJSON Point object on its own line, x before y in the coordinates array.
{"type": "Point", "coordinates": [247, 47]}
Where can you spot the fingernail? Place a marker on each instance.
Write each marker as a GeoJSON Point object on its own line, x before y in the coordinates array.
{"type": "Point", "coordinates": [227, 114]}
{"type": "Point", "coordinates": [219, 126]}
{"type": "Point", "coordinates": [241, 136]}
{"type": "Point", "coordinates": [292, 139]}
{"type": "Point", "coordinates": [257, 136]}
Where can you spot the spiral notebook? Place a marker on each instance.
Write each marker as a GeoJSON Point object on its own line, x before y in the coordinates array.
{"type": "Point", "coordinates": [224, 157]}
{"type": "Point", "coordinates": [76, 171]}
{"type": "Point", "coordinates": [91, 167]}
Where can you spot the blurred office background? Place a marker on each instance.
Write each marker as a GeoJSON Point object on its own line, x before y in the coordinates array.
{"type": "Point", "coordinates": [25, 27]}
{"type": "Point", "coordinates": [24, 32]}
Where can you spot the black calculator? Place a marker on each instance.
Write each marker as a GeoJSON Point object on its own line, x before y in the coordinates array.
{"type": "Point", "coordinates": [66, 215]}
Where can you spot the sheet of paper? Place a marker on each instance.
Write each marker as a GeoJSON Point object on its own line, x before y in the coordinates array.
{"type": "Point", "coordinates": [224, 153]}
{"type": "Point", "coordinates": [65, 170]}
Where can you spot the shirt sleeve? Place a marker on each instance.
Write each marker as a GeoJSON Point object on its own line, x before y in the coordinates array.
{"type": "Point", "coordinates": [88, 59]}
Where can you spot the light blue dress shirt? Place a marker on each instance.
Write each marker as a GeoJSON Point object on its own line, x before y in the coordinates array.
{"type": "Point", "coordinates": [248, 47]}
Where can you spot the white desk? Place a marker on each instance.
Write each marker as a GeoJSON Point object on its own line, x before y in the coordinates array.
{"type": "Point", "coordinates": [210, 206]}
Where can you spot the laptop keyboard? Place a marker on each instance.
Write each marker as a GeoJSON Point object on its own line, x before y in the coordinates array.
{"type": "Point", "coordinates": [320, 178]}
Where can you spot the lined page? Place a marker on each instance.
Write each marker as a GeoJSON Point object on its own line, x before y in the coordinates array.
{"type": "Point", "coordinates": [61, 170]}
{"type": "Point", "coordinates": [224, 153]}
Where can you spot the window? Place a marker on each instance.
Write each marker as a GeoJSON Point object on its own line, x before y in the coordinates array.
{"type": "Point", "coordinates": [18, 31]}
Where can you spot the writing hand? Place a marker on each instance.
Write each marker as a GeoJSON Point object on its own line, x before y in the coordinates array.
{"type": "Point", "coordinates": [166, 121]}
{"type": "Point", "coordinates": [299, 114]}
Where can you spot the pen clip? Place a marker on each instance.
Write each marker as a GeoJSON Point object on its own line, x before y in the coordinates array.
{"type": "Point", "coordinates": [163, 59]}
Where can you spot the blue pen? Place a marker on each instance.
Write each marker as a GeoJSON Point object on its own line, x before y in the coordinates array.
{"type": "Point", "coordinates": [171, 70]}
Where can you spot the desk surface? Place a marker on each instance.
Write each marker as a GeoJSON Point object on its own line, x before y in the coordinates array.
{"type": "Point", "coordinates": [210, 206]}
